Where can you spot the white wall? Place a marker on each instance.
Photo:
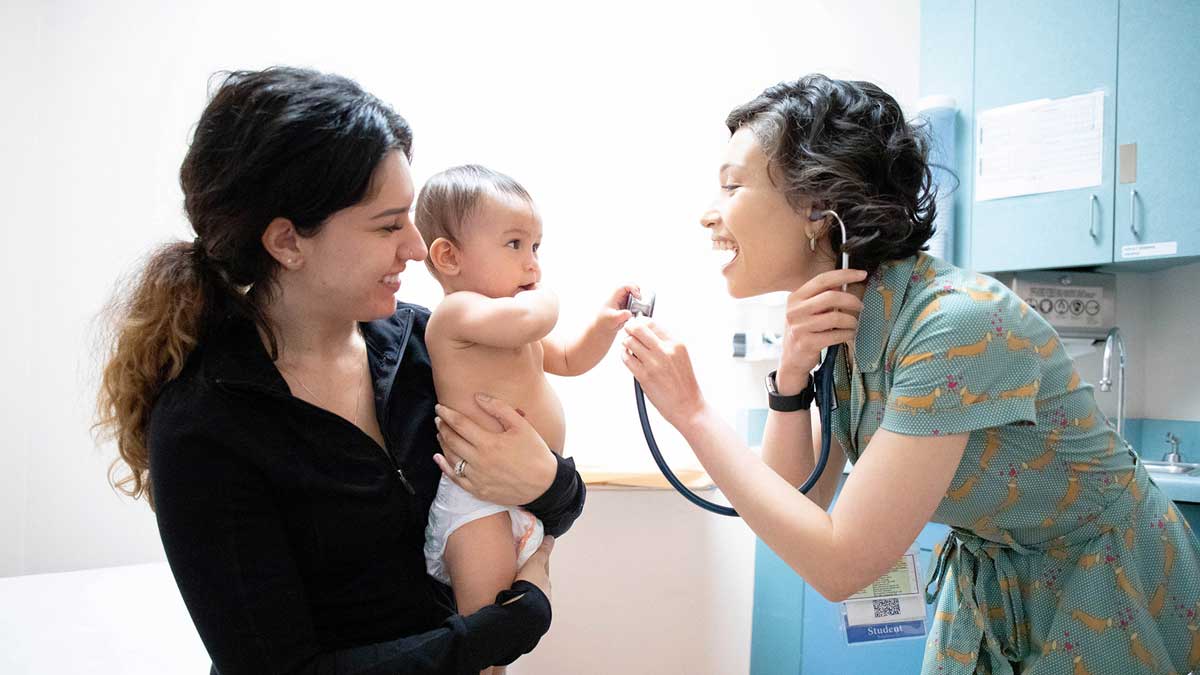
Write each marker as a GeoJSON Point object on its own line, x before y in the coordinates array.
{"type": "Point", "coordinates": [1172, 369]}
{"type": "Point", "coordinates": [647, 583]}
{"type": "Point", "coordinates": [613, 120]}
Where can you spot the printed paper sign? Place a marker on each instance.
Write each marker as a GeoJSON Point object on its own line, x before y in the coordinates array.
{"type": "Point", "coordinates": [1039, 146]}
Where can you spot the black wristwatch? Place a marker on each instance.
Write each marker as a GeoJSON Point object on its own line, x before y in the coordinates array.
{"type": "Point", "coordinates": [781, 403]}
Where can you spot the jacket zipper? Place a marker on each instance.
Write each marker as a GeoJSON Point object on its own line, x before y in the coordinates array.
{"type": "Point", "coordinates": [385, 448]}
{"type": "Point", "coordinates": [387, 453]}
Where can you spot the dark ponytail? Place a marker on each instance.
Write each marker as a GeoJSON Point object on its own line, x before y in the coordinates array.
{"type": "Point", "coordinates": [156, 323]}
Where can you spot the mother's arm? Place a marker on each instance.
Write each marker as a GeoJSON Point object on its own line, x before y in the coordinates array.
{"type": "Point", "coordinates": [225, 541]}
{"type": "Point", "coordinates": [511, 467]}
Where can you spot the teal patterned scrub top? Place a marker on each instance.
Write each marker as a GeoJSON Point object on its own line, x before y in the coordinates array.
{"type": "Point", "coordinates": [1064, 556]}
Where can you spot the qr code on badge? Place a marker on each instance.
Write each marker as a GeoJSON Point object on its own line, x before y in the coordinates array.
{"type": "Point", "coordinates": [886, 607]}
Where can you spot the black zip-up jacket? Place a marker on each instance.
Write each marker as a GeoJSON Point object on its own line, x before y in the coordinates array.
{"type": "Point", "coordinates": [296, 541]}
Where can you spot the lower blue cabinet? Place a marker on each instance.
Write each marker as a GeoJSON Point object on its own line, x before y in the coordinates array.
{"type": "Point", "coordinates": [796, 631]}
{"type": "Point", "coordinates": [1192, 513]}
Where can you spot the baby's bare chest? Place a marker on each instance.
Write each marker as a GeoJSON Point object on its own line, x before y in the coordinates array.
{"type": "Point", "coordinates": [515, 376]}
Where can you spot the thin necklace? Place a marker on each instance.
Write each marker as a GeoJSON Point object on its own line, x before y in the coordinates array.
{"type": "Point", "coordinates": [321, 401]}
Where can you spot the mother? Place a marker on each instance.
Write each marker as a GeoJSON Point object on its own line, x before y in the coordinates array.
{"type": "Point", "coordinates": [274, 403]}
{"type": "Point", "coordinates": [955, 401]}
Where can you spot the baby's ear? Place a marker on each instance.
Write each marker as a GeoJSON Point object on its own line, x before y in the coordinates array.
{"type": "Point", "coordinates": [445, 257]}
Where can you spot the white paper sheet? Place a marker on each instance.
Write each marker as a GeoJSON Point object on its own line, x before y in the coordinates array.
{"type": "Point", "coordinates": [1039, 146]}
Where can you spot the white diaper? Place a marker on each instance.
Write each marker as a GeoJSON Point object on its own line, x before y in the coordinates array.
{"type": "Point", "coordinates": [454, 507]}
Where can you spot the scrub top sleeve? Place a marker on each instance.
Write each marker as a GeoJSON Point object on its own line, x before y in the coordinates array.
{"type": "Point", "coordinates": [960, 367]}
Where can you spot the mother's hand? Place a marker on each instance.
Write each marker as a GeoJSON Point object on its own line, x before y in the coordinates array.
{"type": "Point", "coordinates": [663, 368]}
{"type": "Point", "coordinates": [510, 467]}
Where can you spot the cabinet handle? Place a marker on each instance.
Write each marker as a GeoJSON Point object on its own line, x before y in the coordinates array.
{"type": "Point", "coordinates": [1133, 213]}
{"type": "Point", "coordinates": [1092, 216]}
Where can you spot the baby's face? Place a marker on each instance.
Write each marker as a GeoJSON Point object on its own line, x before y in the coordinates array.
{"type": "Point", "coordinates": [500, 248]}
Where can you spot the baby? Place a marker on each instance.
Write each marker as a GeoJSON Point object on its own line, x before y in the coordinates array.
{"type": "Point", "coordinates": [489, 334]}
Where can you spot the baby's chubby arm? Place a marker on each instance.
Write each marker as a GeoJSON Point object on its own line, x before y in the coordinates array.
{"type": "Point", "coordinates": [499, 322]}
{"type": "Point", "coordinates": [582, 354]}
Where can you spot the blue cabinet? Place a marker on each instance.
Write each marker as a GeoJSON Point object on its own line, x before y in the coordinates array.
{"type": "Point", "coordinates": [1192, 513]}
{"type": "Point", "coordinates": [823, 645]}
{"type": "Point", "coordinates": [1158, 208]}
{"type": "Point", "coordinates": [1027, 50]}
{"type": "Point", "coordinates": [948, 69]}
{"type": "Point", "coordinates": [1143, 56]}
{"type": "Point", "coordinates": [796, 631]}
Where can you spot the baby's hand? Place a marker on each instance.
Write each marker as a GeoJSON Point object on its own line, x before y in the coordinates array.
{"type": "Point", "coordinates": [614, 315]}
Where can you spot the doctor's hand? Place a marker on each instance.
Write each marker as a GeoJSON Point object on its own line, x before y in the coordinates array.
{"type": "Point", "coordinates": [663, 368]}
{"type": "Point", "coordinates": [511, 467]}
{"type": "Point", "coordinates": [819, 314]}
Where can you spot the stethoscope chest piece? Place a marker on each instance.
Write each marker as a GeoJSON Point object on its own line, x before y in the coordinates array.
{"type": "Point", "coordinates": [643, 306]}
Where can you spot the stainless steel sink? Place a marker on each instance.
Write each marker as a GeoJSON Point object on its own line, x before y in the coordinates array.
{"type": "Point", "coordinates": [1185, 468]}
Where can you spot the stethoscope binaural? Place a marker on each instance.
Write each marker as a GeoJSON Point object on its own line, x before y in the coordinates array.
{"type": "Point", "coordinates": [823, 382]}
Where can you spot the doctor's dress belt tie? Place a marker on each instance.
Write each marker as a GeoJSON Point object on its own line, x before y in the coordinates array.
{"type": "Point", "coordinates": [991, 611]}
{"type": "Point", "coordinates": [984, 568]}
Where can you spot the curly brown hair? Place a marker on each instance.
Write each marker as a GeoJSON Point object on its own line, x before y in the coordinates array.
{"type": "Point", "coordinates": [847, 146]}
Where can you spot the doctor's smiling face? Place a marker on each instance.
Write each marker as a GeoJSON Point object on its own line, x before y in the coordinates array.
{"type": "Point", "coordinates": [766, 238]}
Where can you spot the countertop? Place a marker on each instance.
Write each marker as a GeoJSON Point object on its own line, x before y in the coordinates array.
{"type": "Point", "coordinates": [643, 479]}
{"type": "Point", "coordinates": [128, 620]}
{"type": "Point", "coordinates": [1178, 487]}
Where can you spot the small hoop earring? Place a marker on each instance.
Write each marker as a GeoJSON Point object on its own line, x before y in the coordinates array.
{"type": "Point", "coordinates": [812, 243]}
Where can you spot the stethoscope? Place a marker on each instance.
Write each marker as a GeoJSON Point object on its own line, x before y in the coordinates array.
{"type": "Point", "coordinates": [823, 382]}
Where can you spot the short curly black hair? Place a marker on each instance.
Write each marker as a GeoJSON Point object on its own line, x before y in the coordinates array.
{"type": "Point", "coordinates": [847, 146]}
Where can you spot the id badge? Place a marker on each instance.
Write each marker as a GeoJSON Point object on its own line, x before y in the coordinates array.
{"type": "Point", "coordinates": [892, 607]}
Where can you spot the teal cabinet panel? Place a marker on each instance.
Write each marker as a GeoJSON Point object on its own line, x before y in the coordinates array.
{"type": "Point", "coordinates": [798, 632]}
{"type": "Point", "coordinates": [948, 69]}
{"type": "Point", "coordinates": [779, 595]}
{"type": "Point", "coordinates": [1027, 50]}
{"type": "Point", "coordinates": [1158, 92]}
{"type": "Point", "coordinates": [1192, 513]}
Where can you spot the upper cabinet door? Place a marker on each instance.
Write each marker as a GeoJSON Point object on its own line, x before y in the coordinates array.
{"type": "Point", "coordinates": [1027, 50]}
{"type": "Point", "coordinates": [1158, 193]}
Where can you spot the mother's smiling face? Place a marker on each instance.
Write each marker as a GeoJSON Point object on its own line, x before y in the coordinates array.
{"type": "Point", "coordinates": [751, 218]}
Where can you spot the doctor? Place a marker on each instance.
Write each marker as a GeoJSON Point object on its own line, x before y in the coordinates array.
{"type": "Point", "coordinates": [956, 404]}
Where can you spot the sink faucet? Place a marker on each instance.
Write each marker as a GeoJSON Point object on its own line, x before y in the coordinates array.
{"type": "Point", "coordinates": [1172, 457]}
{"type": "Point", "coordinates": [1114, 337]}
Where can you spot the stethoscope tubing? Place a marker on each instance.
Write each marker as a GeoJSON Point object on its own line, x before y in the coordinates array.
{"type": "Point", "coordinates": [825, 403]}
{"type": "Point", "coordinates": [824, 380]}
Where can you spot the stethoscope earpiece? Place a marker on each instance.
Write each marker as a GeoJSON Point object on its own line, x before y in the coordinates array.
{"type": "Point", "coordinates": [820, 214]}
